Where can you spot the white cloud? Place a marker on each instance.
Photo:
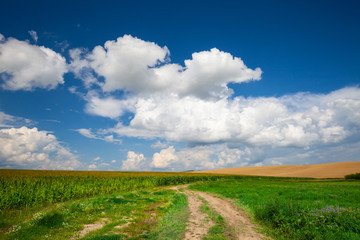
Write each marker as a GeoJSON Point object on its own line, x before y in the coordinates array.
{"type": "Point", "coordinates": [207, 74]}
{"type": "Point", "coordinates": [108, 106]}
{"type": "Point", "coordinates": [86, 133]}
{"type": "Point", "coordinates": [262, 122]}
{"type": "Point", "coordinates": [34, 35]}
{"type": "Point", "coordinates": [30, 148]}
{"type": "Point", "coordinates": [230, 156]}
{"type": "Point", "coordinates": [141, 67]}
{"type": "Point", "coordinates": [97, 159]}
{"type": "Point", "coordinates": [111, 139]}
{"type": "Point", "coordinates": [165, 158]}
{"type": "Point", "coordinates": [203, 157]}
{"type": "Point", "coordinates": [7, 120]}
{"type": "Point", "coordinates": [81, 67]}
{"type": "Point", "coordinates": [92, 167]}
{"type": "Point", "coordinates": [159, 144]}
{"type": "Point", "coordinates": [194, 104]}
{"type": "Point", "coordinates": [191, 104]}
{"type": "Point", "coordinates": [123, 63]}
{"type": "Point", "coordinates": [89, 134]}
{"type": "Point", "coordinates": [134, 161]}
{"type": "Point", "coordinates": [25, 67]}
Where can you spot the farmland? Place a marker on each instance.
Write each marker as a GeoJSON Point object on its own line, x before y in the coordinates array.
{"type": "Point", "coordinates": [21, 188]}
{"type": "Point", "coordinates": [139, 205]}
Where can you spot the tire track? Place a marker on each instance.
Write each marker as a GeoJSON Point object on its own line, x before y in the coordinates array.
{"type": "Point", "coordinates": [234, 216]}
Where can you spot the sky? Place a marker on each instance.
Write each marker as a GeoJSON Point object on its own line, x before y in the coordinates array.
{"type": "Point", "coordinates": [177, 86]}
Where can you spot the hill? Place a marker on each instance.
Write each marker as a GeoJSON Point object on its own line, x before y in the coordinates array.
{"type": "Point", "coordinates": [327, 170]}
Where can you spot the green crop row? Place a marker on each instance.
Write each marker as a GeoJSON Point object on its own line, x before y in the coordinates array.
{"type": "Point", "coordinates": [23, 191]}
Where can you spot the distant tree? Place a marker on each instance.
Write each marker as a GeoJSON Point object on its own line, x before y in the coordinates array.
{"type": "Point", "coordinates": [353, 176]}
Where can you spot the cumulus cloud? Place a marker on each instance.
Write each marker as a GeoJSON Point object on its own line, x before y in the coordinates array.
{"type": "Point", "coordinates": [134, 161]}
{"type": "Point", "coordinates": [202, 158]}
{"type": "Point", "coordinates": [107, 106]}
{"type": "Point", "coordinates": [298, 120]}
{"type": "Point", "coordinates": [123, 63]}
{"type": "Point", "coordinates": [133, 65]}
{"type": "Point", "coordinates": [33, 149]}
{"type": "Point", "coordinates": [193, 103]}
{"type": "Point", "coordinates": [164, 158]}
{"type": "Point", "coordinates": [207, 74]}
{"type": "Point", "coordinates": [25, 67]}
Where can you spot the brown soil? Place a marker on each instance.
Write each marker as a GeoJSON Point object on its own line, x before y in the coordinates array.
{"type": "Point", "coordinates": [235, 217]}
{"type": "Point", "coordinates": [199, 224]}
{"type": "Point", "coordinates": [90, 227]}
{"type": "Point", "coordinates": [327, 170]}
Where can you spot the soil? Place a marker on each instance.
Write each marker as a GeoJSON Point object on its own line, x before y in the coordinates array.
{"type": "Point", "coordinates": [198, 223]}
{"type": "Point", "coordinates": [234, 216]}
{"type": "Point", "coordinates": [89, 228]}
{"type": "Point", "coordinates": [197, 226]}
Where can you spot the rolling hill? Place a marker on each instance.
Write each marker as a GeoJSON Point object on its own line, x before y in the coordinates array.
{"type": "Point", "coordinates": [327, 170]}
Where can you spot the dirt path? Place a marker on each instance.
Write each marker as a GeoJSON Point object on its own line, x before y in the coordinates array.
{"type": "Point", "coordinates": [199, 222]}
{"type": "Point", "coordinates": [237, 219]}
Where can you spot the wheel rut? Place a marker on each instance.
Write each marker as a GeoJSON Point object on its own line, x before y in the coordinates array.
{"type": "Point", "coordinates": [199, 224]}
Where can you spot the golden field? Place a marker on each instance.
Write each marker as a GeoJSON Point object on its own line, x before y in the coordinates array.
{"type": "Point", "coordinates": [327, 170]}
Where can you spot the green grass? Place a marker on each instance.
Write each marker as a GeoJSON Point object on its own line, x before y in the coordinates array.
{"type": "Point", "coordinates": [138, 212]}
{"type": "Point", "coordinates": [220, 230]}
{"type": "Point", "coordinates": [173, 224]}
{"type": "Point", "coordinates": [295, 208]}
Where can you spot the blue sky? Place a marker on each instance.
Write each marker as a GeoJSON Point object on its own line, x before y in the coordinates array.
{"type": "Point", "coordinates": [158, 85]}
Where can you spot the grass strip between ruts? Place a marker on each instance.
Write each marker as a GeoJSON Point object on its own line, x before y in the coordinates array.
{"type": "Point", "coordinates": [173, 223]}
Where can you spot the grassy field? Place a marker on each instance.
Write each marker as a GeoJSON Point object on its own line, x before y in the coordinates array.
{"type": "Point", "coordinates": [125, 205]}
{"type": "Point", "coordinates": [132, 215]}
{"type": "Point", "coordinates": [295, 208]}
{"type": "Point", "coordinates": [57, 204]}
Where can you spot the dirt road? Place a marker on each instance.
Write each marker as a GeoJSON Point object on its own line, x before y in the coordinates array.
{"type": "Point", "coordinates": [197, 227]}
{"type": "Point", "coordinates": [235, 217]}
{"type": "Point", "coordinates": [198, 222]}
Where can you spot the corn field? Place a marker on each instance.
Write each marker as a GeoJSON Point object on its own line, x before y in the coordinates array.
{"type": "Point", "coordinates": [23, 188]}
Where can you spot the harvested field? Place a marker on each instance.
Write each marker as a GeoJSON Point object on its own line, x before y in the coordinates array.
{"type": "Point", "coordinates": [327, 170]}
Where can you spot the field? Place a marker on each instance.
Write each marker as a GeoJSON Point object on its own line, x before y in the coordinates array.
{"type": "Point", "coordinates": [327, 170]}
{"type": "Point", "coordinates": [21, 188]}
{"type": "Point", "coordinates": [295, 208]}
{"type": "Point", "coordinates": [135, 205]}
